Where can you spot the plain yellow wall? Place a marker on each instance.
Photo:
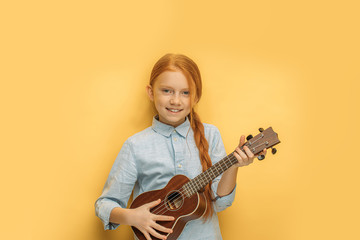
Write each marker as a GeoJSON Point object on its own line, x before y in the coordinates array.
{"type": "Point", "coordinates": [73, 77]}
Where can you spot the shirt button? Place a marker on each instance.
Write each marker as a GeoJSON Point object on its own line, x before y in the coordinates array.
{"type": "Point", "coordinates": [175, 139]}
{"type": "Point", "coordinates": [179, 166]}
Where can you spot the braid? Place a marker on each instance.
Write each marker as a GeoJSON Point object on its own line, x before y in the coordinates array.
{"type": "Point", "coordinates": [203, 147]}
{"type": "Point", "coordinates": [179, 62]}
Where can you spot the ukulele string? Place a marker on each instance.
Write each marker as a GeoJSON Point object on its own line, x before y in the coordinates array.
{"type": "Point", "coordinates": [162, 205]}
{"type": "Point", "coordinates": [161, 208]}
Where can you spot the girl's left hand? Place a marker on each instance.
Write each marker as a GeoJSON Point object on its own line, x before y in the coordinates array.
{"type": "Point", "coordinates": [245, 157]}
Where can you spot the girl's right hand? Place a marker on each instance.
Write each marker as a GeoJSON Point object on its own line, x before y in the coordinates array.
{"type": "Point", "coordinates": [145, 221]}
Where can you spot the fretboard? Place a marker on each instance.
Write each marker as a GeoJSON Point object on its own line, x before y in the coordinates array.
{"type": "Point", "coordinates": [200, 181]}
{"type": "Point", "coordinates": [266, 139]}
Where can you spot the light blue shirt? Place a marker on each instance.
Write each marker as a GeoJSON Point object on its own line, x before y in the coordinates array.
{"type": "Point", "coordinates": [149, 159]}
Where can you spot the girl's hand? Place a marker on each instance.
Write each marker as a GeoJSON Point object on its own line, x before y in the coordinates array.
{"type": "Point", "coordinates": [145, 221]}
{"type": "Point", "coordinates": [245, 157]}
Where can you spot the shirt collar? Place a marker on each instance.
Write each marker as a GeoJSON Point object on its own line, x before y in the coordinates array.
{"type": "Point", "coordinates": [166, 130]}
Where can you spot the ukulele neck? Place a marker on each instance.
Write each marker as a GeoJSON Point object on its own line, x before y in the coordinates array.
{"type": "Point", "coordinates": [203, 179]}
{"type": "Point", "coordinates": [200, 181]}
{"type": "Point", "coordinates": [266, 139]}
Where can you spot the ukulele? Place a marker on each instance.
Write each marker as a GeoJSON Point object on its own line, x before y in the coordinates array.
{"type": "Point", "coordinates": [182, 197]}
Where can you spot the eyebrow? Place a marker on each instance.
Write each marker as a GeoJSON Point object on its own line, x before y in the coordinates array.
{"type": "Point", "coordinates": [166, 86]}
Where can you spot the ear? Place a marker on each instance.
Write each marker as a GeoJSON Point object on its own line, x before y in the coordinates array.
{"type": "Point", "coordinates": [150, 92]}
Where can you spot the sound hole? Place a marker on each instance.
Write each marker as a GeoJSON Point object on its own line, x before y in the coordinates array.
{"type": "Point", "coordinates": [174, 200]}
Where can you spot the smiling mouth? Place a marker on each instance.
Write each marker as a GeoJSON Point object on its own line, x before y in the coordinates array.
{"type": "Point", "coordinates": [174, 110]}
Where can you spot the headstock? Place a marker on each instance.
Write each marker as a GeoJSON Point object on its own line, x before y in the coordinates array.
{"type": "Point", "coordinates": [265, 139]}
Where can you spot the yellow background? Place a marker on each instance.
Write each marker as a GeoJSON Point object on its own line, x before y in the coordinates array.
{"type": "Point", "coordinates": [73, 77]}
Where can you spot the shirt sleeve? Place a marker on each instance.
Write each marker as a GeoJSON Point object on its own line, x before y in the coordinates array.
{"type": "Point", "coordinates": [118, 187]}
{"type": "Point", "coordinates": [217, 152]}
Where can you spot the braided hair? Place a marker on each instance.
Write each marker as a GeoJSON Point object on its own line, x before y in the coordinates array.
{"type": "Point", "coordinates": [179, 62]}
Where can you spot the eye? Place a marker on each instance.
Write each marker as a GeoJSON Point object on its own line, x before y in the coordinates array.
{"type": "Point", "coordinates": [166, 91]}
{"type": "Point", "coordinates": [186, 93]}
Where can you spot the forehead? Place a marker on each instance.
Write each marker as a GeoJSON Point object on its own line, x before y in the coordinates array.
{"type": "Point", "coordinates": [175, 79]}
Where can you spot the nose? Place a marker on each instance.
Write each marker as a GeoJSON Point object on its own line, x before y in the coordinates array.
{"type": "Point", "coordinates": [175, 99]}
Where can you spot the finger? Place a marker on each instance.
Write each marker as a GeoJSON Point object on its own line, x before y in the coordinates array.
{"type": "Point", "coordinates": [240, 161]}
{"type": "Point", "coordinates": [163, 218]}
{"type": "Point", "coordinates": [248, 152]}
{"type": "Point", "coordinates": [243, 156]}
{"type": "Point", "coordinates": [146, 234]}
{"type": "Point", "coordinates": [239, 156]}
{"type": "Point", "coordinates": [242, 140]}
{"type": "Point", "coordinates": [156, 234]}
{"type": "Point", "coordinates": [162, 228]}
{"type": "Point", "coordinates": [263, 152]}
{"type": "Point", "coordinates": [152, 204]}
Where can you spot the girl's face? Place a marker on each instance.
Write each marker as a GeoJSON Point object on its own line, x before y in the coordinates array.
{"type": "Point", "coordinates": [171, 97]}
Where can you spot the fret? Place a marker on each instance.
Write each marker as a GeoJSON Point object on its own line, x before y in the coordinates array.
{"type": "Point", "coordinates": [183, 190]}
{"type": "Point", "coordinates": [213, 173]}
{"type": "Point", "coordinates": [216, 169]}
{"type": "Point", "coordinates": [210, 174]}
{"type": "Point", "coordinates": [222, 169]}
{"type": "Point", "coordinates": [207, 177]}
{"type": "Point", "coordinates": [225, 166]}
{"type": "Point", "coordinates": [196, 185]}
{"type": "Point", "coordinates": [188, 189]}
{"type": "Point", "coordinates": [218, 172]}
{"type": "Point", "coordinates": [221, 166]}
{"type": "Point", "coordinates": [192, 186]}
{"type": "Point", "coordinates": [267, 138]}
{"type": "Point", "coordinates": [225, 162]}
{"type": "Point", "coordinates": [233, 160]}
{"type": "Point", "coordinates": [203, 183]}
{"type": "Point", "coordinates": [192, 191]}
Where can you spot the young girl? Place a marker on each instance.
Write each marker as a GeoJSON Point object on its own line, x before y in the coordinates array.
{"type": "Point", "coordinates": [176, 143]}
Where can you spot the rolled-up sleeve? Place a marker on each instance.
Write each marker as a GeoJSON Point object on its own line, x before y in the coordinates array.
{"type": "Point", "coordinates": [221, 203]}
{"type": "Point", "coordinates": [217, 152]}
{"type": "Point", "coordinates": [118, 187]}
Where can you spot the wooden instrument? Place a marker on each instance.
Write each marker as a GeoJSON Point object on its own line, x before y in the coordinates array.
{"type": "Point", "coordinates": [182, 198]}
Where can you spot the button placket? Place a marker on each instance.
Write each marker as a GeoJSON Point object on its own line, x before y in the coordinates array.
{"type": "Point", "coordinates": [178, 151]}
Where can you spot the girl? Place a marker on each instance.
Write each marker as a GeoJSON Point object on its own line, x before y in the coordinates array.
{"type": "Point", "coordinates": [176, 143]}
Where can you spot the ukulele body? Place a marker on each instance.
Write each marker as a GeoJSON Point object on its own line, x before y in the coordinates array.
{"type": "Point", "coordinates": [173, 203]}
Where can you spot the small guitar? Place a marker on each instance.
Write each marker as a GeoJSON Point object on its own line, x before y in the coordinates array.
{"type": "Point", "coordinates": [182, 198]}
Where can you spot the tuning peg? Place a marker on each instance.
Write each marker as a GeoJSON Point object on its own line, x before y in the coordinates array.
{"type": "Point", "coordinates": [261, 157]}
{"type": "Point", "coordinates": [261, 129]}
{"type": "Point", "coordinates": [249, 137]}
{"type": "Point", "coordinates": [273, 150]}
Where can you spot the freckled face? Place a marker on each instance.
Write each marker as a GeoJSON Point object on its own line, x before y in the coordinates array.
{"type": "Point", "coordinates": [171, 97]}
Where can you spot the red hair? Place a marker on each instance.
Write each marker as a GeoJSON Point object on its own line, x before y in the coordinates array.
{"type": "Point", "coordinates": [178, 62]}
